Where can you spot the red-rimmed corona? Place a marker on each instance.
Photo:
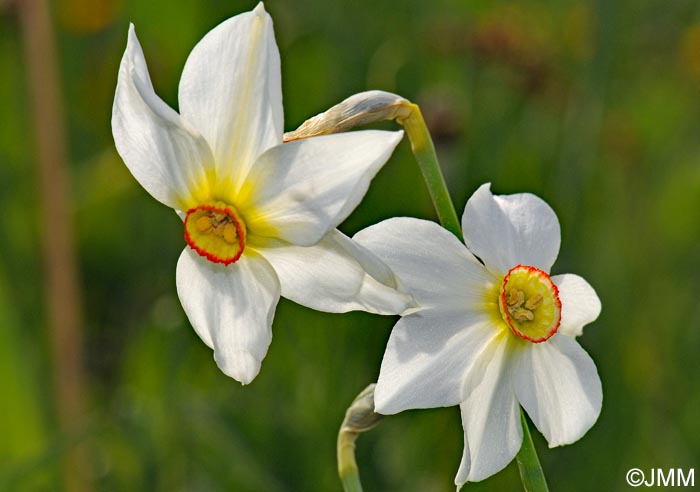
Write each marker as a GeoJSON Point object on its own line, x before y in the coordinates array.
{"type": "Point", "coordinates": [529, 303]}
{"type": "Point", "coordinates": [216, 232]}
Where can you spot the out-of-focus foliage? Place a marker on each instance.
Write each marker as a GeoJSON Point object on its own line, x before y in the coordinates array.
{"type": "Point", "coordinates": [593, 105]}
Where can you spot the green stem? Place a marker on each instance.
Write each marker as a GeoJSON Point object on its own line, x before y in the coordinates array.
{"type": "Point", "coordinates": [347, 466]}
{"type": "Point", "coordinates": [424, 151]}
{"type": "Point", "coordinates": [531, 473]}
{"type": "Point", "coordinates": [359, 417]}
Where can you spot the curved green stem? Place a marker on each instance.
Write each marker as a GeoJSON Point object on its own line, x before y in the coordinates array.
{"type": "Point", "coordinates": [531, 473]}
{"type": "Point", "coordinates": [359, 417]}
{"type": "Point", "coordinates": [424, 152]}
{"type": "Point", "coordinates": [347, 466]}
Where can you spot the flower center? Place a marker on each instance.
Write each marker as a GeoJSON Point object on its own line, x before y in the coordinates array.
{"type": "Point", "coordinates": [216, 232]}
{"type": "Point", "coordinates": [529, 303]}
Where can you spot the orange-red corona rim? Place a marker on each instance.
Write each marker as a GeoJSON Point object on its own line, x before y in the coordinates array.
{"type": "Point", "coordinates": [216, 232]}
{"type": "Point", "coordinates": [529, 303]}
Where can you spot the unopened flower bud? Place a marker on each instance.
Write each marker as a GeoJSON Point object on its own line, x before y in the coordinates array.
{"type": "Point", "coordinates": [360, 416]}
{"type": "Point", "coordinates": [357, 110]}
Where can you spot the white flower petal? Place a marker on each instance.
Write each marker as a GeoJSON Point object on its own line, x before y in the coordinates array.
{"type": "Point", "coordinates": [558, 385]}
{"type": "Point", "coordinates": [490, 415]}
{"type": "Point", "coordinates": [508, 230]}
{"type": "Point", "coordinates": [166, 156]}
{"type": "Point", "coordinates": [465, 464]}
{"type": "Point", "coordinates": [231, 308]}
{"type": "Point", "coordinates": [430, 262]}
{"type": "Point", "coordinates": [231, 91]}
{"type": "Point", "coordinates": [301, 190]}
{"type": "Point", "coordinates": [335, 275]}
{"type": "Point", "coordinates": [579, 303]}
{"type": "Point", "coordinates": [427, 358]}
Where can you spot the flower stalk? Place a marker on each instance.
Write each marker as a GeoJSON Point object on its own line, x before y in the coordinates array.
{"type": "Point", "coordinates": [359, 417]}
{"type": "Point", "coordinates": [347, 466]}
{"type": "Point", "coordinates": [424, 152]}
{"type": "Point", "coordinates": [531, 474]}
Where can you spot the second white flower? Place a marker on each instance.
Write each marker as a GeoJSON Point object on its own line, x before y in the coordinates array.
{"type": "Point", "coordinates": [493, 329]}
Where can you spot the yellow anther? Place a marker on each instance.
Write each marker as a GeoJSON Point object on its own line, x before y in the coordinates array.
{"type": "Point", "coordinates": [533, 302]}
{"type": "Point", "coordinates": [521, 314]}
{"type": "Point", "coordinates": [204, 224]}
{"type": "Point", "coordinates": [516, 298]}
{"type": "Point", "coordinates": [220, 217]}
{"type": "Point", "coordinates": [230, 234]}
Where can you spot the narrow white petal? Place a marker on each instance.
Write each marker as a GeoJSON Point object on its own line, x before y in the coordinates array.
{"type": "Point", "coordinates": [579, 303]}
{"type": "Point", "coordinates": [558, 385]}
{"type": "Point", "coordinates": [465, 464]}
{"type": "Point", "coordinates": [165, 155]}
{"type": "Point", "coordinates": [301, 190]}
{"type": "Point", "coordinates": [430, 262]}
{"type": "Point", "coordinates": [508, 230]}
{"type": "Point", "coordinates": [231, 308]}
{"type": "Point", "coordinates": [490, 415]}
{"type": "Point", "coordinates": [427, 358]}
{"type": "Point", "coordinates": [335, 275]}
{"type": "Point", "coordinates": [231, 91]}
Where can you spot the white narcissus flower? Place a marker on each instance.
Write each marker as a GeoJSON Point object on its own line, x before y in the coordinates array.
{"type": "Point", "coordinates": [259, 215]}
{"type": "Point", "coordinates": [489, 335]}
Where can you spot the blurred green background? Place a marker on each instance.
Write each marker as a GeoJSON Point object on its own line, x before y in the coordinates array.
{"type": "Point", "coordinates": [592, 105]}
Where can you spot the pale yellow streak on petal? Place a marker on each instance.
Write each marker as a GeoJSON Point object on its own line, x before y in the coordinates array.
{"type": "Point", "coordinates": [244, 161]}
{"type": "Point", "coordinates": [245, 201]}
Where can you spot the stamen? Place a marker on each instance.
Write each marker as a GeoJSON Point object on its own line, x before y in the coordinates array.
{"type": "Point", "coordinates": [216, 232]}
{"type": "Point", "coordinates": [522, 314]}
{"type": "Point", "coordinates": [516, 298]}
{"type": "Point", "coordinates": [230, 235]}
{"type": "Point", "coordinates": [529, 303]}
{"type": "Point", "coordinates": [204, 224]}
{"type": "Point", "coordinates": [533, 302]}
